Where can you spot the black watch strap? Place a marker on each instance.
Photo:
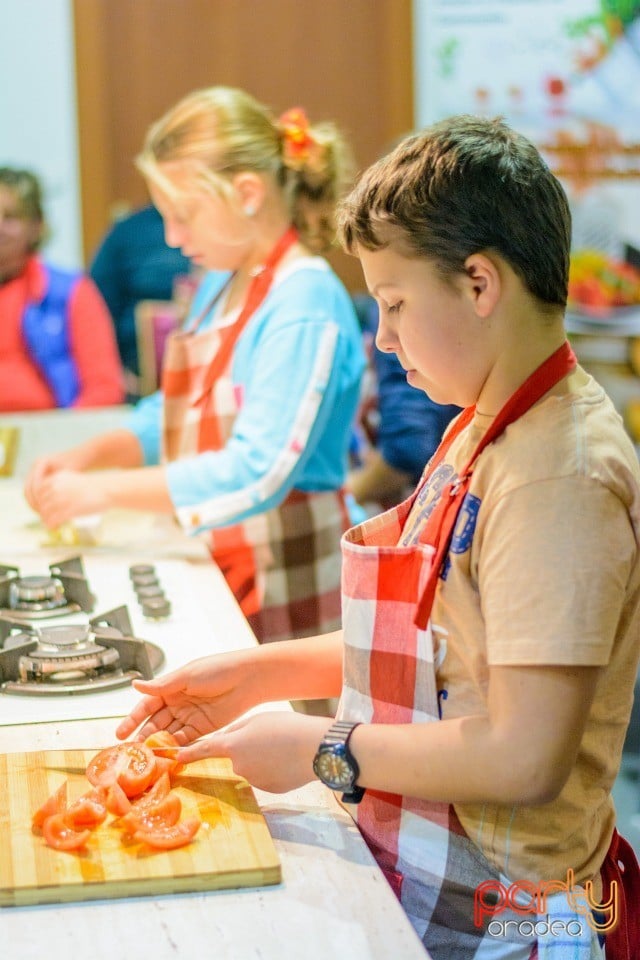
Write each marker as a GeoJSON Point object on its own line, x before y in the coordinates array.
{"type": "Point", "coordinates": [356, 793]}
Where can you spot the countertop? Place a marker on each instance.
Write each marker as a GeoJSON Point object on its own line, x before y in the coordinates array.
{"type": "Point", "coordinates": [333, 899]}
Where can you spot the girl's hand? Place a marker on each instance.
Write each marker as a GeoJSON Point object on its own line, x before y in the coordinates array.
{"type": "Point", "coordinates": [274, 751]}
{"type": "Point", "coordinates": [64, 494]}
{"type": "Point", "coordinates": [42, 467]}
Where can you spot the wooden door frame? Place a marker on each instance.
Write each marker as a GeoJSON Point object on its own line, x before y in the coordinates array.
{"type": "Point", "coordinates": [98, 191]}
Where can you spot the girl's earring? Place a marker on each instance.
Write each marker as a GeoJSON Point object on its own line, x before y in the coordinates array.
{"type": "Point", "coordinates": [249, 210]}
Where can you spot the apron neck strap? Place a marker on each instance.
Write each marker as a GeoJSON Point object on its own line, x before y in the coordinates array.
{"type": "Point", "coordinates": [288, 238]}
{"type": "Point", "coordinates": [550, 372]}
{"type": "Point", "coordinates": [261, 280]}
{"type": "Point", "coordinates": [441, 523]}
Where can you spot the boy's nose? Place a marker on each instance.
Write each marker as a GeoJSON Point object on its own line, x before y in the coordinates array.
{"type": "Point", "coordinates": [385, 338]}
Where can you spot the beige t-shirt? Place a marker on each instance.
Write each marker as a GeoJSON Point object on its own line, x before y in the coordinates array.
{"type": "Point", "coordinates": [545, 569]}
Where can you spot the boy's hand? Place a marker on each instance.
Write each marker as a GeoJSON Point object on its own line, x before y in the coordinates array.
{"type": "Point", "coordinates": [194, 700]}
{"type": "Point", "coordinates": [274, 751]}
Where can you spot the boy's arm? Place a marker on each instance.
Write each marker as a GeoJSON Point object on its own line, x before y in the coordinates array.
{"type": "Point", "coordinates": [208, 693]}
{"type": "Point", "coordinates": [521, 752]}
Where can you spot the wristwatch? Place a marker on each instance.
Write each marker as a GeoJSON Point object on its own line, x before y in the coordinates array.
{"type": "Point", "coordinates": [334, 763]}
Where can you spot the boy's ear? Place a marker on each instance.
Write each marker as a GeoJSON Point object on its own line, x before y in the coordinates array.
{"type": "Point", "coordinates": [483, 283]}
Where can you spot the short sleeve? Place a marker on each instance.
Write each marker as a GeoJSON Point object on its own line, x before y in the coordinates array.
{"type": "Point", "coordinates": [553, 570]}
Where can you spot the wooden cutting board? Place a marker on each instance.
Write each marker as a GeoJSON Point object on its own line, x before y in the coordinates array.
{"type": "Point", "coordinates": [233, 847]}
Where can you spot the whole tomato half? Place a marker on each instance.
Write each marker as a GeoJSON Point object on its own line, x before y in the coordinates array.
{"type": "Point", "coordinates": [131, 765]}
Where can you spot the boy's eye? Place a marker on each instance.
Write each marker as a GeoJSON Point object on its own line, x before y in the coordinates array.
{"type": "Point", "coordinates": [394, 307]}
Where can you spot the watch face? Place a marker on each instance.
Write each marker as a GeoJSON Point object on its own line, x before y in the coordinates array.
{"type": "Point", "coordinates": [333, 769]}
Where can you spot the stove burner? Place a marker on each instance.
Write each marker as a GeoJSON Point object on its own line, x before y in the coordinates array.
{"type": "Point", "coordinates": [34, 598]}
{"type": "Point", "coordinates": [74, 658]}
{"type": "Point", "coordinates": [36, 593]}
{"type": "Point", "coordinates": [66, 654]}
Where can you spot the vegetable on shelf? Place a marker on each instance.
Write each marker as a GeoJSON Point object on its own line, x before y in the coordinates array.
{"type": "Point", "coordinates": [599, 284]}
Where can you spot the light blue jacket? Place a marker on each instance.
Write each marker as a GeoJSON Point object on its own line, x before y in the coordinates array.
{"type": "Point", "coordinates": [297, 366]}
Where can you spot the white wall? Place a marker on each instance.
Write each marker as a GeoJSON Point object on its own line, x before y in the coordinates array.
{"type": "Point", "coordinates": [38, 112]}
{"type": "Point", "coordinates": [516, 42]}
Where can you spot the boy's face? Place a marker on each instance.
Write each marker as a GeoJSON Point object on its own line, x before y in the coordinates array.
{"type": "Point", "coordinates": [430, 325]}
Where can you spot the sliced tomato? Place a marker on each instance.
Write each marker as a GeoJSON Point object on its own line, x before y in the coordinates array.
{"type": "Point", "coordinates": [131, 765]}
{"type": "Point", "coordinates": [164, 813]}
{"type": "Point", "coordinates": [59, 835]}
{"type": "Point", "coordinates": [56, 803]}
{"type": "Point", "coordinates": [163, 743]}
{"type": "Point", "coordinates": [164, 746]}
{"type": "Point", "coordinates": [168, 838]}
{"type": "Point", "coordinates": [169, 765]}
{"type": "Point", "coordinates": [117, 801]}
{"type": "Point", "coordinates": [87, 811]}
{"type": "Point", "coordinates": [155, 792]}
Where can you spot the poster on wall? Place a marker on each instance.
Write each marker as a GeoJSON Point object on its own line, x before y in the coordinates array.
{"type": "Point", "coordinates": [567, 74]}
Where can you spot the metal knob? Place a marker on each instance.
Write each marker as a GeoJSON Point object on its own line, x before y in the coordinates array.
{"type": "Point", "coordinates": [156, 608]}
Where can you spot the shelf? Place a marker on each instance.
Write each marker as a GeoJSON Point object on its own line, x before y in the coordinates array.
{"type": "Point", "coordinates": [623, 322]}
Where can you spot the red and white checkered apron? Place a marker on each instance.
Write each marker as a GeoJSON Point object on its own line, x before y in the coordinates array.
{"type": "Point", "coordinates": [282, 565]}
{"type": "Point", "coordinates": [390, 677]}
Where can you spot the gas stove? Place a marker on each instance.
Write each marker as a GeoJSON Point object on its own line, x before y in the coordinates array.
{"type": "Point", "coordinates": [74, 658]}
{"type": "Point", "coordinates": [44, 653]}
{"type": "Point", "coordinates": [76, 632]}
{"type": "Point", "coordinates": [65, 590]}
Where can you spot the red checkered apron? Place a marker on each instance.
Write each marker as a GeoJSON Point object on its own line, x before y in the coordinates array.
{"type": "Point", "coordinates": [283, 565]}
{"type": "Point", "coordinates": [390, 677]}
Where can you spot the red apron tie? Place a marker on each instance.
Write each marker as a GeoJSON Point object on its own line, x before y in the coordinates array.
{"type": "Point", "coordinates": [441, 524]}
{"type": "Point", "coordinates": [621, 865]}
{"type": "Point", "coordinates": [258, 290]}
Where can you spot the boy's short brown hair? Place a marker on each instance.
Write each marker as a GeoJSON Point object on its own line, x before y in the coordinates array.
{"type": "Point", "coordinates": [465, 185]}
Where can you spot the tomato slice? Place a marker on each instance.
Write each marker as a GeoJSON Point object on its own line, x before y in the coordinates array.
{"type": "Point", "coordinates": [169, 765]}
{"type": "Point", "coordinates": [59, 835]}
{"type": "Point", "coordinates": [164, 746]}
{"type": "Point", "coordinates": [163, 743]}
{"type": "Point", "coordinates": [164, 813]}
{"type": "Point", "coordinates": [168, 838]}
{"type": "Point", "coordinates": [131, 765]}
{"type": "Point", "coordinates": [155, 792]}
{"type": "Point", "coordinates": [87, 811]}
{"type": "Point", "coordinates": [117, 801]}
{"type": "Point", "coordinates": [56, 803]}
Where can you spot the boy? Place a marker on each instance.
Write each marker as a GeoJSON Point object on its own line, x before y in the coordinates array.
{"type": "Point", "coordinates": [502, 601]}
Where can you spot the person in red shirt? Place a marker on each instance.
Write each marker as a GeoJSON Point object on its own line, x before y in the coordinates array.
{"type": "Point", "coordinates": [57, 343]}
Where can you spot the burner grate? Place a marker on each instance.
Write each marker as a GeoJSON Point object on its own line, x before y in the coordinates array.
{"type": "Point", "coordinates": [74, 658]}
{"type": "Point", "coordinates": [64, 591]}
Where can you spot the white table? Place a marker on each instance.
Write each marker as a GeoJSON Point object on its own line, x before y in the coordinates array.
{"type": "Point", "coordinates": [49, 431]}
{"type": "Point", "coordinates": [333, 899]}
